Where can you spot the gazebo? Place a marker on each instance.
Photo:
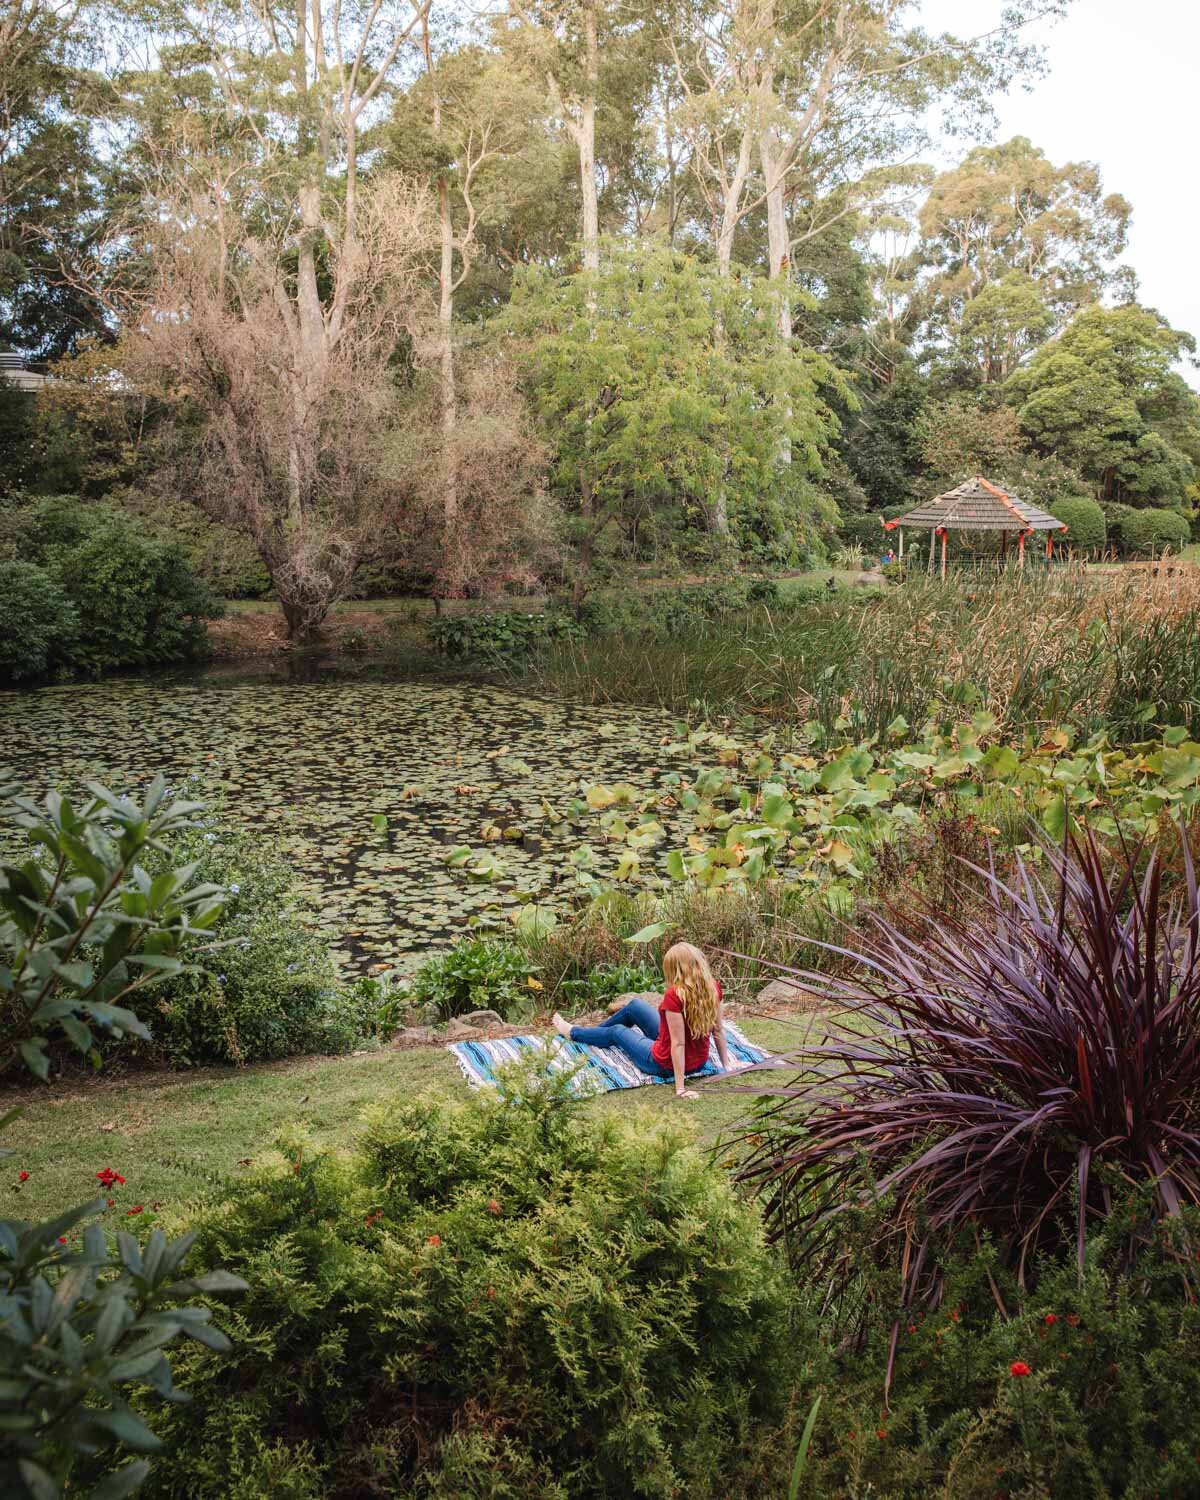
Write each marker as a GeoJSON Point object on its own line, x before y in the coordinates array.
{"type": "Point", "coordinates": [976, 505]}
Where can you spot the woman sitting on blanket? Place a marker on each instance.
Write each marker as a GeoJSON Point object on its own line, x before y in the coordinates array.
{"type": "Point", "coordinates": [674, 1039]}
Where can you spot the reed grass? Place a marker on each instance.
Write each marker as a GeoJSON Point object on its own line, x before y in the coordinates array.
{"type": "Point", "coordinates": [1113, 651]}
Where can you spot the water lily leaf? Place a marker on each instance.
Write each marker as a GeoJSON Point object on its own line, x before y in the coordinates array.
{"type": "Point", "coordinates": [534, 921]}
{"type": "Point", "coordinates": [837, 775]}
{"type": "Point", "coordinates": [648, 934]}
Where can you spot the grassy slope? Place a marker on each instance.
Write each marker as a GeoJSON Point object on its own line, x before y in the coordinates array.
{"type": "Point", "coordinates": [174, 1136]}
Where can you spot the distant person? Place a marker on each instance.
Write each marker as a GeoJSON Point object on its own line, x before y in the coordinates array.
{"type": "Point", "coordinates": [674, 1039]}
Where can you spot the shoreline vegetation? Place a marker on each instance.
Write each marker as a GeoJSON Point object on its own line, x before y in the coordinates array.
{"type": "Point", "coordinates": [1092, 646]}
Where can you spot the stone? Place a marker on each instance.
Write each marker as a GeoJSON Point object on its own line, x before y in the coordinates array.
{"type": "Point", "coordinates": [411, 1034]}
{"type": "Point", "coordinates": [482, 1018]}
{"type": "Point", "coordinates": [780, 993]}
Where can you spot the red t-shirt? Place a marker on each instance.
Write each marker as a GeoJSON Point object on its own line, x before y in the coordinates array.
{"type": "Point", "coordinates": [695, 1048]}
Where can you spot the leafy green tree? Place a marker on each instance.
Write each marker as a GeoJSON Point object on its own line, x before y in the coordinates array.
{"type": "Point", "coordinates": [656, 383]}
{"type": "Point", "coordinates": [53, 180]}
{"type": "Point", "coordinates": [973, 433]}
{"type": "Point", "coordinates": [1104, 398]}
{"type": "Point", "coordinates": [1014, 246]}
{"type": "Point", "coordinates": [881, 442]}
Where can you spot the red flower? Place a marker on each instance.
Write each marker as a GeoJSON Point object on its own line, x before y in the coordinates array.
{"type": "Point", "coordinates": [912, 1328]}
{"type": "Point", "coordinates": [1018, 1369]}
{"type": "Point", "coordinates": [493, 1206]}
{"type": "Point", "coordinates": [136, 1209]}
{"type": "Point", "coordinates": [1050, 1319]}
{"type": "Point", "coordinates": [435, 1240]}
{"type": "Point", "coordinates": [491, 1294]}
{"type": "Point", "coordinates": [881, 1433]}
{"type": "Point", "coordinates": [22, 1175]}
{"type": "Point", "coordinates": [62, 1239]}
{"type": "Point", "coordinates": [108, 1177]}
{"type": "Point", "coordinates": [1072, 1320]}
{"type": "Point", "coordinates": [954, 1316]}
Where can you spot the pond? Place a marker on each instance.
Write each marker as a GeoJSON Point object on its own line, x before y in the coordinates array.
{"type": "Point", "coordinates": [319, 762]}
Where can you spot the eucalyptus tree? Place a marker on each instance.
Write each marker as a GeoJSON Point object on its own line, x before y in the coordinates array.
{"type": "Point", "coordinates": [1011, 247]}
{"type": "Point", "coordinates": [810, 111]}
{"type": "Point", "coordinates": [468, 126]}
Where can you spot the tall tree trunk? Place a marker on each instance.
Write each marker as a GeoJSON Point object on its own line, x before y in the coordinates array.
{"type": "Point", "coordinates": [731, 209]}
{"type": "Point", "coordinates": [778, 257]}
{"type": "Point", "coordinates": [730, 218]}
{"type": "Point", "coordinates": [586, 138]}
{"type": "Point", "coordinates": [446, 359]}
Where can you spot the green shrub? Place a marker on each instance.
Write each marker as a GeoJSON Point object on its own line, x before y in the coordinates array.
{"type": "Point", "coordinates": [1111, 1406]}
{"type": "Point", "coordinates": [494, 1298]}
{"type": "Point", "coordinates": [1084, 520]}
{"type": "Point", "coordinates": [137, 599]}
{"type": "Point", "coordinates": [37, 622]}
{"type": "Point", "coordinates": [866, 531]}
{"type": "Point", "coordinates": [765, 591]}
{"type": "Point", "coordinates": [476, 974]}
{"type": "Point", "coordinates": [82, 929]}
{"type": "Point", "coordinates": [272, 990]}
{"type": "Point", "coordinates": [617, 611]}
{"type": "Point", "coordinates": [1150, 531]}
{"type": "Point", "coordinates": [605, 981]}
{"type": "Point", "coordinates": [139, 603]}
{"type": "Point", "coordinates": [499, 639]}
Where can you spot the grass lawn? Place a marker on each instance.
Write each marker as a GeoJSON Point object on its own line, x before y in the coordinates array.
{"type": "Point", "coordinates": [177, 1136]}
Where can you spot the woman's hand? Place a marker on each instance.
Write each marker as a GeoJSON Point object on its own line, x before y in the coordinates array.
{"type": "Point", "coordinates": [686, 1094]}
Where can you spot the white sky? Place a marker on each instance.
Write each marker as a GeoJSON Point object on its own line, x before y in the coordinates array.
{"type": "Point", "coordinates": [1123, 91]}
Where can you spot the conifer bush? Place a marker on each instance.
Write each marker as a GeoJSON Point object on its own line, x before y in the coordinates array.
{"type": "Point", "coordinates": [494, 1296]}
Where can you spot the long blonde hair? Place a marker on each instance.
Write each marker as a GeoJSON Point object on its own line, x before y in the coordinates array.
{"type": "Point", "coordinates": [686, 971]}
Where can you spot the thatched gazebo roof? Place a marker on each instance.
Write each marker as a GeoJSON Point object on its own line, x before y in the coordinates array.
{"type": "Point", "coordinates": [976, 505]}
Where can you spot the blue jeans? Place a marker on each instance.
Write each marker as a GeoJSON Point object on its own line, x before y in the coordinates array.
{"type": "Point", "coordinates": [633, 1029]}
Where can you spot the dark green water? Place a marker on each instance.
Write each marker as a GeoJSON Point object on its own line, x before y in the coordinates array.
{"type": "Point", "coordinates": [314, 761]}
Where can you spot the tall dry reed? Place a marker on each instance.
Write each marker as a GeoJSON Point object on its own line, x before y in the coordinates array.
{"type": "Point", "coordinates": [1114, 650]}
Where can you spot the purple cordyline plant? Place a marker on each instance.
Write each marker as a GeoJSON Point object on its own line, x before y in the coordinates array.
{"type": "Point", "coordinates": [1007, 1070]}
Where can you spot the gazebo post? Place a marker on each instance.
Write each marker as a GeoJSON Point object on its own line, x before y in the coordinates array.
{"type": "Point", "coordinates": [943, 554]}
{"type": "Point", "coordinates": [932, 550]}
{"type": "Point", "coordinates": [901, 555]}
{"type": "Point", "coordinates": [1004, 546]}
{"type": "Point", "coordinates": [1020, 549]}
{"type": "Point", "coordinates": [1049, 546]}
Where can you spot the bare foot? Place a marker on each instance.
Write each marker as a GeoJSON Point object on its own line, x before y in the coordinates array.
{"type": "Point", "coordinates": [562, 1027]}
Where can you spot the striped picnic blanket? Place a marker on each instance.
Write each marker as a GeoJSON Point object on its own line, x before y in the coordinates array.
{"type": "Point", "coordinates": [604, 1067]}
